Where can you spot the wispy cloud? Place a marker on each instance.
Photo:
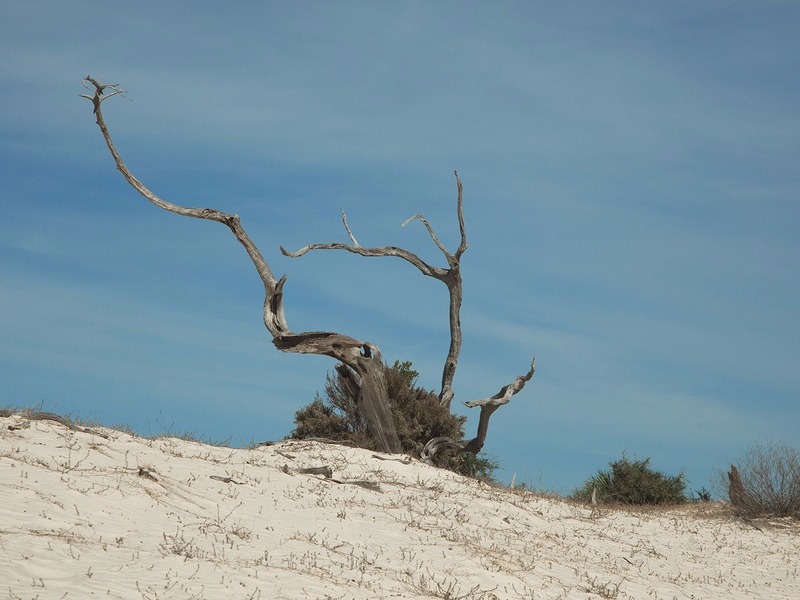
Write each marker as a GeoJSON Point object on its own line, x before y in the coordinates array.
{"type": "Point", "coordinates": [630, 180]}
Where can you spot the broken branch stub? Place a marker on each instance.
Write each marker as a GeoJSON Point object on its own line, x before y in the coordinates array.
{"type": "Point", "coordinates": [362, 357]}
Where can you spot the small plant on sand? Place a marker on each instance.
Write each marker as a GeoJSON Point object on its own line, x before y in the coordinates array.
{"type": "Point", "coordinates": [632, 481]}
{"type": "Point", "coordinates": [766, 481]}
{"type": "Point", "coordinates": [702, 495]}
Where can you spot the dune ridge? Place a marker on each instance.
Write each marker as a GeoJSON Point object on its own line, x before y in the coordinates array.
{"type": "Point", "coordinates": [96, 512]}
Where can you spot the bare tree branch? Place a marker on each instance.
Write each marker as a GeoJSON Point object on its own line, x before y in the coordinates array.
{"type": "Point", "coordinates": [451, 277]}
{"type": "Point", "coordinates": [505, 393]}
{"type": "Point", "coordinates": [100, 90]}
{"type": "Point", "coordinates": [462, 247]}
{"type": "Point", "coordinates": [488, 406]}
{"type": "Point", "coordinates": [347, 228]}
{"type": "Point", "coordinates": [274, 317]}
{"type": "Point", "coordinates": [425, 268]}
{"type": "Point", "coordinates": [362, 357]}
{"type": "Point", "coordinates": [431, 232]}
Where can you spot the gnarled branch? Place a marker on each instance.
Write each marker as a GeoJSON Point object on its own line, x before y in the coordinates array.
{"type": "Point", "coordinates": [274, 317]}
{"type": "Point", "coordinates": [362, 357]}
{"type": "Point", "coordinates": [451, 277]}
{"type": "Point", "coordinates": [488, 406]}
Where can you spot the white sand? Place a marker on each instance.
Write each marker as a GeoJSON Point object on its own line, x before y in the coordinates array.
{"type": "Point", "coordinates": [114, 516]}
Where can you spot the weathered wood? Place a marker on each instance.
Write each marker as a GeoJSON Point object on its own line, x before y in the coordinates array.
{"type": "Point", "coordinates": [491, 404]}
{"type": "Point", "coordinates": [325, 471]}
{"type": "Point", "coordinates": [488, 406]}
{"type": "Point", "coordinates": [226, 479]}
{"type": "Point", "coordinates": [363, 358]}
{"type": "Point", "coordinates": [439, 444]}
{"type": "Point", "coordinates": [736, 492]}
{"type": "Point", "coordinates": [360, 362]}
{"type": "Point", "coordinates": [450, 276]}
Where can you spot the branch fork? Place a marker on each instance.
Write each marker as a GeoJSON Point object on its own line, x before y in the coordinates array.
{"type": "Point", "coordinates": [450, 276]}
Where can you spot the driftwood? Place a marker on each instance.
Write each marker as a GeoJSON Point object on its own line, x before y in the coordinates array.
{"type": "Point", "coordinates": [325, 471]}
{"type": "Point", "coordinates": [451, 277]}
{"type": "Point", "coordinates": [402, 461]}
{"type": "Point", "coordinates": [364, 483]}
{"type": "Point", "coordinates": [226, 479]}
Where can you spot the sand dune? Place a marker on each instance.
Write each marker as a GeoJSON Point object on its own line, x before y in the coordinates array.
{"type": "Point", "coordinates": [100, 513]}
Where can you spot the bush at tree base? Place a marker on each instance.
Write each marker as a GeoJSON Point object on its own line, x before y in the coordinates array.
{"type": "Point", "coordinates": [633, 482]}
{"type": "Point", "coordinates": [417, 414]}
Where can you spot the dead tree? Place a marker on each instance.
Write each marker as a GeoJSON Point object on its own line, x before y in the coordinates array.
{"type": "Point", "coordinates": [360, 362]}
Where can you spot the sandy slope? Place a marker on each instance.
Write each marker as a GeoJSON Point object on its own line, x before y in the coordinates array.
{"type": "Point", "coordinates": [108, 515]}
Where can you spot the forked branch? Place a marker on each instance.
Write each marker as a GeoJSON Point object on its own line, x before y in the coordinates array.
{"type": "Point", "coordinates": [450, 276]}
{"type": "Point", "coordinates": [488, 406]}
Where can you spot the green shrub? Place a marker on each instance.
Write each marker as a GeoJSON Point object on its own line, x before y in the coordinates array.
{"type": "Point", "coordinates": [418, 417]}
{"type": "Point", "coordinates": [766, 481]}
{"type": "Point", "coordinates": [703, 495]}
{"type": "Point", "coordinates": [322, 420]}
{"type": "Point", "coordinates": [633, 482]}
{"type": "Point", "coordinates": [478, 466]}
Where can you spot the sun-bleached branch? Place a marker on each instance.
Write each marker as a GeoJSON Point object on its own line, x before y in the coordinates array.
{"type": "Point", "coordinates": [349, 232]}
{"type": "Point", "coordinates": [362, 357]}
{"type": "Point", "coordinates": [488, 406]}
{"type": "Point", "coordinates": [450, 276]}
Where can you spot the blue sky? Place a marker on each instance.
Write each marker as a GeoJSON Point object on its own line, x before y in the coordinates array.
{"type": "Point", "coordinates": [630, 181]}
